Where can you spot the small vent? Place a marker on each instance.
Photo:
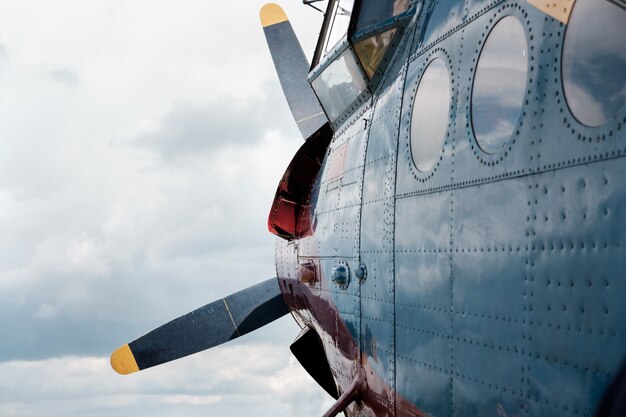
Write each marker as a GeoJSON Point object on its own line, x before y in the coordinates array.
{"type": "Point", "coordinates": [619, 3]}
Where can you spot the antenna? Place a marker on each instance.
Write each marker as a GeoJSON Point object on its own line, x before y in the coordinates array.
{"type": "Point", "coordinates": [310, 3]}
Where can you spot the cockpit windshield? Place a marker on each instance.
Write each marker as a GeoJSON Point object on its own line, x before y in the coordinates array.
{"type": "Point", "coordinates": [376, 11]}
{"type": "Point", "coordinates": [353, 51]}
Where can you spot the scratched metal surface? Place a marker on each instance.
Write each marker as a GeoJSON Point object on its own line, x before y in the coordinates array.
{"type": "Point", "coordinates": [494, 281]}
{"type": "Point", "coordinates": [508, 266]}
{"type": "Point", "coordinates": [377, 238]}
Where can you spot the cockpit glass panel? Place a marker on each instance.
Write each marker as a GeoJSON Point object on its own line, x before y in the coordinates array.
{"type": "Point", "coordinates": [429, 120]}
{"type": "Point", "coordinates": [340, 20]}
{"type": "Point", "coordinates": [594, 61]}
{"type": "Point", "coordinates": [372, 50]}
{"type": "Point", "coordinates": [372, 12]}
{"type": "Point", "coordinates": [500, 84]}
{"type": "Point", "coordinates": [339, 85]}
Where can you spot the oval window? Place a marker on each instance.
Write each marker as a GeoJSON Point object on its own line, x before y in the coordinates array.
{"type": "Point", "coordinates": [499, 85]}
{"type": "Point", "coordinates": [429, 120]}
{"type": "Point", "coordinates": [594, 61]}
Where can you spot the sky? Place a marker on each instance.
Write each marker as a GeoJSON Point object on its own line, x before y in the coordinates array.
{"type": "Point", "coordinates": [141, 142]}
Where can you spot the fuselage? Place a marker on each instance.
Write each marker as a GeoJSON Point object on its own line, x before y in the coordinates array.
{"type": "Point", "coordinates": [486, 265]}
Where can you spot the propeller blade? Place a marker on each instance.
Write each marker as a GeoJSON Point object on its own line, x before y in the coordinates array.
{"type": "Point", "coordinates": [204, 328]}
{"type": "Point", "coordinates": [292, 68]}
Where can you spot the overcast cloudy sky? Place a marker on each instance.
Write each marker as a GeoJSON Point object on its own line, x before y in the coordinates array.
{"type": "Point", "coordinates": [141, 143]}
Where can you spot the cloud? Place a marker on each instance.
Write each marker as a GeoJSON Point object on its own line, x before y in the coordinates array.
{"type": "Point", "coordinates": [190, 129]}
{"type": "Point", "coordinates": [192, 399]}
{"type": "Point", "coordinates": [105, 239]}
{"type": "Point", "coordinates": [64, 76]}
{"type": "Point", "coordinates": [234, 380]}
{"type": "Point", "coordinates": [149, 246]}
{"type": "Point", "coordinates": [139, 154]}
{"type": "Point", "coordinates": [46, 312]}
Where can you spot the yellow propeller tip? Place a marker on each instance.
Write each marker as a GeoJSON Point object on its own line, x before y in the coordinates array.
{"type": "Point", "coordinates": [123, 361]}
{"type": "Point", "coordinates": [272, 14]}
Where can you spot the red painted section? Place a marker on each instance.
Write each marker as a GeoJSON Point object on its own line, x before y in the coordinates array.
{"type": "Point", "coordinates": [307, 273]}
{"type": "Point", "coordinates": [340, 347]}
{"type": "Point", "coordinates": [289, 216]}
{"type": "Point", "coordinates": [337, 162]}
{"type": "Point", "coordinates": [357, 389]}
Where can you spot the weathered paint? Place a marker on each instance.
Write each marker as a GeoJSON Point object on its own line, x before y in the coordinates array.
{"type": "Point", "coordinates": [494, 280]}
{"type": "Point", "coordinates": [558, 9]}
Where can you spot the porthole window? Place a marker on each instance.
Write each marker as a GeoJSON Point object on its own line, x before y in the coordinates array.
{"type": "Point", "coordinates": [594, 61]}
{"type": "Point", "coordinates": [499, 85]}
{"type": "Point", "coordinates": [429, 120]}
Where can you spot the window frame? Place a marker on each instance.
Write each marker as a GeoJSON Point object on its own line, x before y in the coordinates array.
{"type": "Point", "coordinates": [321, 62]}
{"type": "Point", "coordinates": [342, 47]}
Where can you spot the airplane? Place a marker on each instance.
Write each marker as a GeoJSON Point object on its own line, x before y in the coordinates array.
{"type": "Point", "coordinates": [451, 234]}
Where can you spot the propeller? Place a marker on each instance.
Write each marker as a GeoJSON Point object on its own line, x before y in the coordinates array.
{"type": "Point", "coordinates": [254, 307]}
{"type": "Point", "coordinates": [215, 323]}
{"type": "Point", "coordinates": [292, 68]}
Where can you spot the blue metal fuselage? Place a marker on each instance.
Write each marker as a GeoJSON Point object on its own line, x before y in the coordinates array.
{"type": "Point", "coordinates": [494, 282]}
